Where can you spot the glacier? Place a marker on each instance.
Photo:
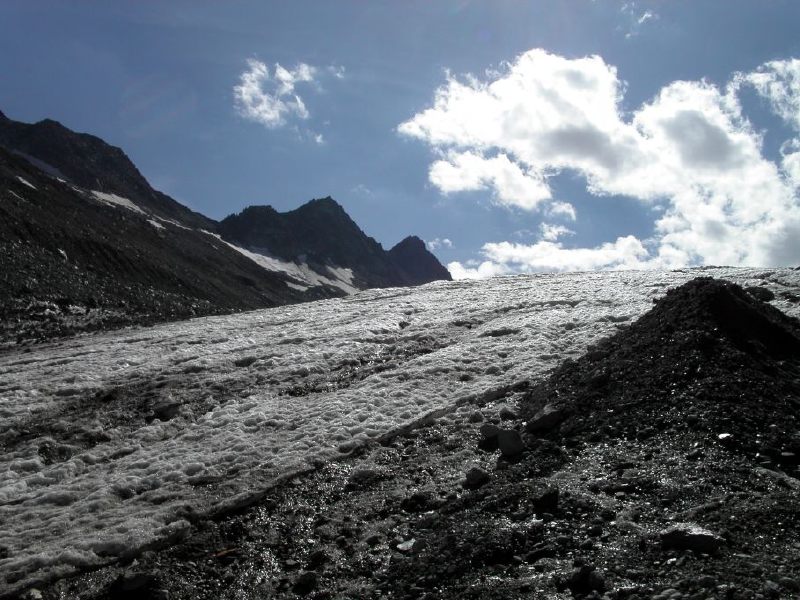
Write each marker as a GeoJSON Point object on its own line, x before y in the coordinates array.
{"type": "Point", "coordinates": [115, 442]}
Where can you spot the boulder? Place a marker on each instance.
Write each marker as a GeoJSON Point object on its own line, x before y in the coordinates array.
{"type": "Point", "coordinates": [476, 477]}
{"type": "Point", "coordinates": [489, 433]}
{"type": "Point", "coordinates": [510, 443]}
{"type": "Point", "coordinates": [546, 418]}
{"type": "Point", "coordinates": [690, 536]}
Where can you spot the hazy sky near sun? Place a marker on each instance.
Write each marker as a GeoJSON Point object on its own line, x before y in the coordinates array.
{"type": "Point", "coordinates": [511, 135]}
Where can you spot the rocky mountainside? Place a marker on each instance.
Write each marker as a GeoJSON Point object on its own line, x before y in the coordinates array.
{"type": "Point", "coordinates": [320, 233]}
{"type": "Point", "coordinates": [86, 243]}
{"type": "Point", "coordinates": [71, 262]}
{"type": "Point", "coordinates": [416, 263]}
{"type": "Point", "coordinates": [92, 164]}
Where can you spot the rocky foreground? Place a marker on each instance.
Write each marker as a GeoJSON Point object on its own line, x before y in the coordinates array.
{"type": "Point", "coordinates": [662, 464]}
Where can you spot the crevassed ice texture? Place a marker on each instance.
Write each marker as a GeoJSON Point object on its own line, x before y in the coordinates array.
{"type": "Point", "coordinates": [458, 340]}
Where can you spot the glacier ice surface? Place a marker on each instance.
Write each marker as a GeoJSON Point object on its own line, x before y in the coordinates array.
{"type": "Point", "coordinates": [268, 392]}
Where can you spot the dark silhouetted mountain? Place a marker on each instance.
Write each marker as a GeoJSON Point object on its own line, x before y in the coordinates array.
{"type": "Point", "coordinates": [89, 162]}
{"type": "Point", "coordinates": [417, 264]}
{"type": "Point", "coordinates": [321, 234]}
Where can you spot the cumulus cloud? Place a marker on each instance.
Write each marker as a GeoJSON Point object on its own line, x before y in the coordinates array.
{"type": "Point", "coordinates": [626, 252]}
{"type": "Point", "coordinates": [779, 82]}
{"type": "Point", "coordinates": [689, 149]}
{"type": "Point", "coordinates": [483, 270]}
{"type": "Point", "coordinates": [468, 171]}
{"type": "Point", "coordinates": [437, 243]}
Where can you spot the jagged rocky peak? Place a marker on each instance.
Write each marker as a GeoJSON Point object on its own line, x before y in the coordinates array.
{"type": "Point", "coordinates": [321, 233]}
{"type": "Point", "coordinates": [419, 265]}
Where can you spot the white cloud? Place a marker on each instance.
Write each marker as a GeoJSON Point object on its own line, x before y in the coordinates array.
{"type": "Point", "coordinates": [636, 18]}
{"type": "Point", "coordinates": [779, 82]}
{"type": "Point", "coordinates": [689, 149]}
{"type": "Point", "coordinates": [625, 252]}
{"type": "Point", "coordinates": [468, 171]}
{"type": "Point", "coordinates": [552, 232]}
{"type": "Point", "coordinates": [271, 100]}
{"type": "Point", "coordinates": [562, 209]}
{"type": "Point", "coordinates": [362, 190]}
{"type": "Point", "coordinates": [483, 271]}
{"type": "Point", "coordinates": [437, 243]}
{"type": "Point", "coordinates": [337, 71]}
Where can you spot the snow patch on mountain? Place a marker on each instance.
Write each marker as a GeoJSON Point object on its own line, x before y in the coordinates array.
{"type": "Point", "coordinates": [305, 276]}
{"type": "Point", "coordinates": [26, 182]}
{"type": "Point", "coordinates": [115, 200]}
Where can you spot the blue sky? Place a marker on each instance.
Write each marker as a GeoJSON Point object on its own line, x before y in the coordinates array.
{"type": "Point", "coordinates": [512, 135]}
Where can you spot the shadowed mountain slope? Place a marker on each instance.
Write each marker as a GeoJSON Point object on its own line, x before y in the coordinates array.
{"type": "Point", "coordinates": [90, 163]}
{"type": "Point", "coordinates": [322, 234]}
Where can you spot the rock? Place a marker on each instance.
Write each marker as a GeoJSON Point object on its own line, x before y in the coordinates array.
{"type": "Point", "coordinates": [133, 585]}
{"type": "Point", "coordinates": [419, 501]}
{"type": "Point", "coordinates": [166, 409]}
{"type": "Point", "coordinates": [546, 418]}
{"type": "Point", "coordinates": [771, 589]}
{"type": "Point", "coordinates": [547, 500]}
{"type": "Point", "coordinates": [707, 581]}
{"type": "Point", "coordinates": [476, 417]}
{"type": "Point", "coordinates": [373, 539]}
{"type": "Point", "coordinates": [489, 433]}
{"type": "Point", "coordinates": [305, 583]}
{"type": "Point", "coordinates": [476, 477]}
{"type": "Point", "coordinates": [406, 546]}
{"type": "Point", "coordinates": [790, 584]}
{"type": "Point", "coordinates": [586, 579]}
{"type": "Point", "coordinates": [317, 558]}
{"type": "Point", "coordinates": [510, 443]}
{"type": "Point", "coordinates": [595, 531]}
{"type": "Point", "coordinates": [695, 454]}
{"type": "Point", "coordinates": [689, 536]}
{"type": "Point", "coordinates": [363, 475]}
{"type": "Point", "coordinates": [507, 413]}
{"type": "Point", "coordinates": [760, 293]}
{"type": "Point", "coordinates": [726, 439]}
{"type": "Point", "coordinates": [544, 551]}
{"type": "Point", "coordinates": [32, 594]}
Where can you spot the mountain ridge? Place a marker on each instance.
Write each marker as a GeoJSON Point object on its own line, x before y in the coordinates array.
{"type": "Point", "coordinates": [77, 209]}
{"type": "Point", "coordinates": [321, 232]}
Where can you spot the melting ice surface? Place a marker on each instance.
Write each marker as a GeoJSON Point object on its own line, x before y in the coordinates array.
{"type": "Point", "coordinates": [87, 473]}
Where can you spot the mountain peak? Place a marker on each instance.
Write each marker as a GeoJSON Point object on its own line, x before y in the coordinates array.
{"type": "Point", "coordinates": [326, 204]}
{"type": "Point", "coordinates": [411, 242]}
{"type": "Point", "coordinates": [416, 262]}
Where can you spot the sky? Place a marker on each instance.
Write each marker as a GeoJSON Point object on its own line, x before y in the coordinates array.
{"type": "Point", "coordinates": [511, 135]}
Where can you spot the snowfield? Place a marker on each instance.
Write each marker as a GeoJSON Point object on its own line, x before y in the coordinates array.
{"type": "Point", "coordinates": [114, 441]}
